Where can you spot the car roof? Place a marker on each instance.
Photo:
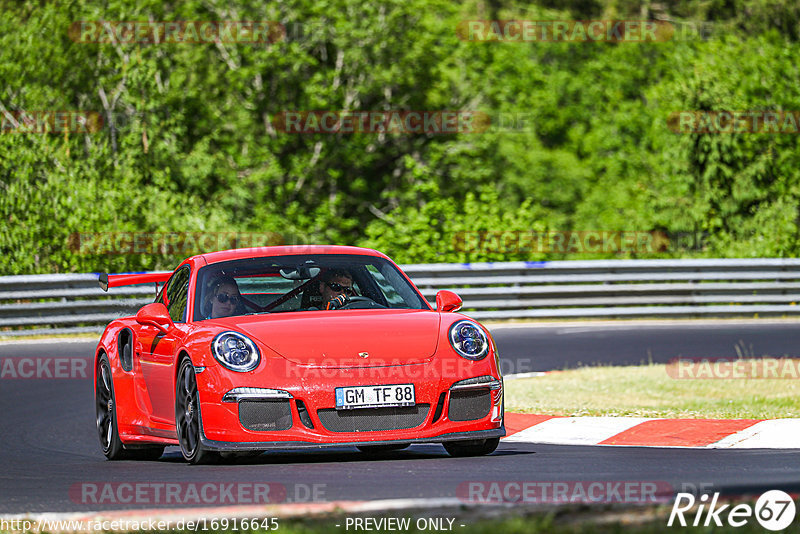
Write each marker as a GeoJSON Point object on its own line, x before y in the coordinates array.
{"type": "Point", "coordinates": [261, 252]}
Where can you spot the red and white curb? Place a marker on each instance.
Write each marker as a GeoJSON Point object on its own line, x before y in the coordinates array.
{"type": "Point", "coordinates": [646, 432]}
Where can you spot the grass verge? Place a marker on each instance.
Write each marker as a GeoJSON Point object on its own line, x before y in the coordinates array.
{"type": "Point", "coordinates": [650, 391]}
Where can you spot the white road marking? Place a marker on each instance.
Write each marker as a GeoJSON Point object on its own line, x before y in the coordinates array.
{"type": "Point", "coordinates": [524, 375]}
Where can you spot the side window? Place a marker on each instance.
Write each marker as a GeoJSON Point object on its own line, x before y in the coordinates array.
{"type": "Point", "coordinates": [177, 293]}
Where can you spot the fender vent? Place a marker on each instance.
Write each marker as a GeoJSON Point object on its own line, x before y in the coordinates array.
{"type": "Point", "coordinates": [125, 348]}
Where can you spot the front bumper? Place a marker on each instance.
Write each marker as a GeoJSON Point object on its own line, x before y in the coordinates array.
{"type": "Point", "coordinates": [307, 417]}
{"type": "Point", "coordinates": [260, 445]}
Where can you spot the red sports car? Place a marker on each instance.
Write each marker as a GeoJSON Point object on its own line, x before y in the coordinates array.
{"type": "Point", "coordinates": [293, 347]}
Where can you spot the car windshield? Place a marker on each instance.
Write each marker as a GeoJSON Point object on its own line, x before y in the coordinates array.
{"type": "Point", "coordinates": [301, 283]}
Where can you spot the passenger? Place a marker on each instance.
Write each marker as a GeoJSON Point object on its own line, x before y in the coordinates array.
{"type": "Point", "coordinates": [224, 298]}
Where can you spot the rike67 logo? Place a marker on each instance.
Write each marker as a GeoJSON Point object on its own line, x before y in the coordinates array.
{"type": "Point", "coordinates": [774, 510]}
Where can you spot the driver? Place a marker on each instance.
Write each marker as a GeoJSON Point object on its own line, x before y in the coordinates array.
{"type": "Point", "coordinates": [336, 288]}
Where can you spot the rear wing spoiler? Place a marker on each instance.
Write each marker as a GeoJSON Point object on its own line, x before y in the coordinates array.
{"type": "Point", "coordinates": [115, 280]}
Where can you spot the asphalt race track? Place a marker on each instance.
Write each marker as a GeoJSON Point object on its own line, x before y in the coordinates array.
{"type": "Point", "coordinates": [49, 450]}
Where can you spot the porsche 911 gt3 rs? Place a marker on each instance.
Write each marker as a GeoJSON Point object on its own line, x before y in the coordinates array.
{"type": "Point", "coordinates": [293, 347]}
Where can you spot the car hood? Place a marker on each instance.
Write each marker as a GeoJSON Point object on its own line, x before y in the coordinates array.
{"type": "Point", "coordinates": [347, 338]}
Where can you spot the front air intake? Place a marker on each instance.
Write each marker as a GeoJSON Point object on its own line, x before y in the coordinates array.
{"type": "Point", "coordinates": [304, 417]}
{"type": "Point", "coordinates": [373, 419]}
{"type": "Point", "coordinates": [265, 415]}
{"type": "Point", "coordinates": [469, 404]}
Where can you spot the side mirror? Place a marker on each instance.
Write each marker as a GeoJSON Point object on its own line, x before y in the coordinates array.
{"type": "Point", "coordinates": [155, 314]}
{"type": "Point", "coordinates": [447, 301]}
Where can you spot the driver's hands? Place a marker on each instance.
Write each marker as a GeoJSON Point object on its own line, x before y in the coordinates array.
{"type": "Point", "coordinates": [337, 302]}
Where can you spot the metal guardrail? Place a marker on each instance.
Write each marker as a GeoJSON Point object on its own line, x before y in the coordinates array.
{"type": "Point", "coordinates": [67, 303]}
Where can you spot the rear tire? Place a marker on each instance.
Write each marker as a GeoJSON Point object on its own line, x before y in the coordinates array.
{"type": "Point", "coordinates": [373, 449]}
{"type": "Point", "coordinates": [106, 411]}
{"type": "Point", "coordinates": [472, 447]}
{"type": "Point", "coordinates": [187, 417]}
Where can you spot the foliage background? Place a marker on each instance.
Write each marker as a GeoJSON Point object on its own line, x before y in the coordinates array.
{"type": "Point", "coordinates": [188, 145]}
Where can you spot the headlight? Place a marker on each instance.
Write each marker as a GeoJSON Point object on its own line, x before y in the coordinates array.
{"type": "Point", "coordinates": [235, 351]}
{"type": "Point", "coordinates": [469, 340]}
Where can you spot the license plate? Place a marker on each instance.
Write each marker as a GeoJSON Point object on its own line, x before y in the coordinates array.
{"type": "Point", "coordinates": [375, 396]}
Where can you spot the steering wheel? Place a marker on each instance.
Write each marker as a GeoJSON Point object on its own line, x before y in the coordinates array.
{"type": "Point", "coordinates": [361, 303]}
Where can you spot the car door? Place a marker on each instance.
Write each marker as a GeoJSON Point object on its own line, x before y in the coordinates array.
{"type": "Point", "coordinates": [158, 348]}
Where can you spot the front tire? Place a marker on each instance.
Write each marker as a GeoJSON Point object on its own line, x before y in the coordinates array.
{"type": "Point", "coordinates": [472, 447]}
{"type": "Point", "coordinates": [187, 417]}
{"type": "Point", "coordinates": [106, 411]}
